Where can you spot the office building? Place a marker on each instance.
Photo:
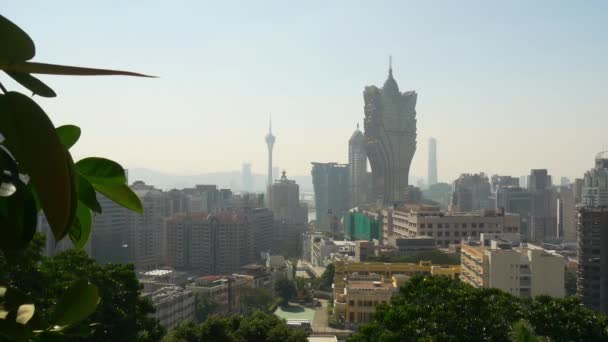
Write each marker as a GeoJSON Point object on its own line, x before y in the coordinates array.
{"type": "Point", "coordinates": [471, 192]}
{"type": "Point", "coordinates": [357, 162]}
{"type": "Point", "coordinates": [449, 227]}
{"type": "Point", "coordinates": [522, 270]}
{"type": "Point", "coordinates": [566, 214]}
{"type": "Point", "coordinates": [285, 201]}
{"type": "Point", "coordinates": [516, 200]}
{"type": "Point", "coordinates": [543, 222]}
{"type": "Point", "coordinates": [390, 135]}
{"type": "Point", "coordinates": [331, 185]}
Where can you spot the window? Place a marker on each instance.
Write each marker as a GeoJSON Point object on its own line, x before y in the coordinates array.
{"type": "Point", "coordinates": [464, 225]}
{"type": "Point", "coordinates": [422, 225]}
{"type": "Point", "coordinates": [456, 233]}
{"type": "Point", "coordinates": [447, 233]}
{"type": "Point", "coordinates": [351, 302]}
{"type": "Point", "coordinates": [429, 234]}
{"type": "Point", "coordinates": [481, 225]}
{"type": "Point", "coordinates": [474, 225]}
{"type": "Point", "coordinates": [439, 225]}
{"type": "Point", "coordinates": [439, 233]}
{"type": "Point", "coordinates": [430, 225]}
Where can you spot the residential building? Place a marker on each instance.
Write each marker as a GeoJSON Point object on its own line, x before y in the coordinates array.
{"type": "Point", "coordinates": [522, 270]}
{"type": "Point", "coordinates": [146, 229]}
{"type": "Point", "coordinates": [449, 227]}
{"type": "Point", "coordinates": [595, 183]}
{"type": "Point", "coordinates": [543, 222]}
{"type": "Point", "coordinates": [224, 291]}
{"type": "Point", "coordinates": [173, 305]}
{"type": "Point", "coordinates": [246, 178]}
{"type": "Point", "coordinates": [332, 189]}
{"type": "Point", "coordinates": [110, 233]}
{"type": "Point", "coordinates": [592, 275]}
{"type": "Point", "coordinates": [390, 132]}
{"type": "Point", "coordinates": [566, 214]}
{"type": "Point", "coordinates": [471, 192]}
{"type": "Point", "coordinates": [440, 193]}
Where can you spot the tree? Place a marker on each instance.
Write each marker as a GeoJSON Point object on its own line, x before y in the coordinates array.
{"type": "Point", "coordinates": [438, 308]}
{"type": "Point", "coordinates": [523, 332]}
{"type": "Point", "coordinates": [255, 298]}
{"type": "Point", "coordinates": [286, 289]}
{"type": "Point", "coordinates": [327, 278]}
{"type": "Point", "coordinates": [259, 326]}
{"type": "Point", "coordinates": [122, 315]}
{"type": "Point", "coordinates": [204, 306]}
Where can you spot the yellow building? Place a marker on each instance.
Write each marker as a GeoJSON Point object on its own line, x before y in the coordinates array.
{"type": "Point", "coordinates": [523, 270]}
{"type": "Point", "coordinates": [361, 286]}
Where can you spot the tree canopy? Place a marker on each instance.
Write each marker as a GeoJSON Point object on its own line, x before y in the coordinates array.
{"type": "Point", "coordinates": [122, 315]}
{"type": "Point", "coordinates": [259, 326]}
{"type": "Point", "coordinates": [438, 308]}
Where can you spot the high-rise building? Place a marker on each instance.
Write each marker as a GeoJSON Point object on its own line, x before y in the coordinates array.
{"type": "Point", "coordinates": [517, 201]}
{"type": "Point", "coordinates": [210, 244]}
{"type": "Point", "coordinates": [543, 223]}
{"type": "Point", "coordinates": [110, 240]}
{"type": "Point", "coordinates": [390, 132]}
{"type": "Point", "coordinates": [595, 184]}
{"type": "Point", "coordinates": [331, 186]}
{"type": "Point", "coordinates": [246, 178]}
{"type": "Point", "coordinates": [566, 214]}
{"type": "Point", "coordinates": [270, 139]}
{"type": "Point", "coordinates": [285, 201]}
{"type": "Point", "coordinates": [357, 162]}
{"type": "Point", "coordinates": [146, 229]}
{"type": "Point", "coordinates": [592, 228]}
{"type": "Point", "coordinates": [471, 192]}
{"type": "Point", "coordinates": [432, 166]}
{"type": "Point", "coordinates": [592, 277]}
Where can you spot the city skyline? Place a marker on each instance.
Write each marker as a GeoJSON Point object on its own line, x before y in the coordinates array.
{"type": "Point", "coordinates": [494, 82]}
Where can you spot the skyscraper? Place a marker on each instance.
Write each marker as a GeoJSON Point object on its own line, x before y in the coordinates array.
{"type": "Point", "coordinates": [270, 138]}
{"type": "Point", "coordinates": [331, 186]}
{"type": "Point", "coordinates": [247, 178]}
{"type": "Point", "coordinates": [595, 184]}
{"type": "Point", "coordinates": [432, 176]}
{"type": "Point", "coordinates": [357, 163]}
{"type": "Point", "coordinates": [390, 132]}
{"type": "Point", "coordinates": [543, 223]}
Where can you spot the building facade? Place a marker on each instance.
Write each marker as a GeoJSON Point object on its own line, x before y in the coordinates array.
{"type": "Point", "coordinates": [449, 227]}
{"type": "Point", "coordinates": [592, 274]}
{"type": "Point", "coordinates": [526, 271]}
{"type": "Point", "coordinates": [332, 189]}
{"type": "Point", "coordinates": [471, 192]}
{"type": "Point", "coordinates": [357, 163]}
{"type": "Point", "coordinates": [390, 134]}
{"type": "Point", "coordinates": [173, 305]}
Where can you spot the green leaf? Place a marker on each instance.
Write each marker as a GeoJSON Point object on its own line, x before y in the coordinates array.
{"type": "Point", "coordinates": [18, 219]}
{"type": "Point", "coordinates": [81, 229]}
{"type": "Point", "coordinates": [55, 69]}
{"type": "Point", "coordinates": [68, 134]}
{"type": "Point", "coordinates": [108, 177]}
{"type": "Point", "coordinates": [101, 171]}
{"type": "Point", "coordinates": [121, 194]}
{"type": "Point", "coordinates": [32, 139]}
{"type": "Point", "coordinates": [87, 195]}
{"type": "Point", "coordinates": [15, 44]}
{"type": "Point", "coordinates": [78, 302]}
{"type": "Point", "coordinates": [35, 85]}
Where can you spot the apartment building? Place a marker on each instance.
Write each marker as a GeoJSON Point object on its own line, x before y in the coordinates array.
{"type": "Point", "coordinates": [523, 270]}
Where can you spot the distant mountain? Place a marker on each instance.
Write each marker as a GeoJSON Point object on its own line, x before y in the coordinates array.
{"type": "Point", "coordinates": [228, 179]}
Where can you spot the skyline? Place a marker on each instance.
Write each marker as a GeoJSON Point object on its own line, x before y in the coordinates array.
{"type": "Point", "coordinates": [514, 74]}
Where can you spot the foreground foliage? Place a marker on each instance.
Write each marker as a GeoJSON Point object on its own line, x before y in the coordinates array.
{"type": "Point", "coordinates": [437, 308]}
{"type": "Point", "coordinates": [122, 315]}
{"type": "Point", "coordinates": [259, 326]}
{"type": "Point", "coordinates": [38, 175]}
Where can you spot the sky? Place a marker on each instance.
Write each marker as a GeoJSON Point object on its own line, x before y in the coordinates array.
{"type": "Point", "coordinates": [504, 86]}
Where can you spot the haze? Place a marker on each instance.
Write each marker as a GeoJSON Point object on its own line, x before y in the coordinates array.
{"type": "Point", "coordinates": [503, 87]}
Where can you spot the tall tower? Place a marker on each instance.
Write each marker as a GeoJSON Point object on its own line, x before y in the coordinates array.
{"type": "Point", "coordinates": [390, 134]}
{"type": "Point", "coordinates": [432, 176]}
{"type": "Point", "coordinates": [270, 138]}
{"type": "Point", "coordinates": [357, 163]}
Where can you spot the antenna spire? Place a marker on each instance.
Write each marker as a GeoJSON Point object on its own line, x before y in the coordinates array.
{"type": "Point", "coordinates": [270, 124]}
{"type": "Point", "coordinates": [390, 64]}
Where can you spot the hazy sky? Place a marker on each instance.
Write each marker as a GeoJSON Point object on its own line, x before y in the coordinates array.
{"type": "Point", "coordinates": [504, 86]}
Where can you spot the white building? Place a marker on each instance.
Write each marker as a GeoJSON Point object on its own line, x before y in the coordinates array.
{"type": "Point", "coordinates": [522, 270]}
{"type": "Point", "coordinates": [173, 305]}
